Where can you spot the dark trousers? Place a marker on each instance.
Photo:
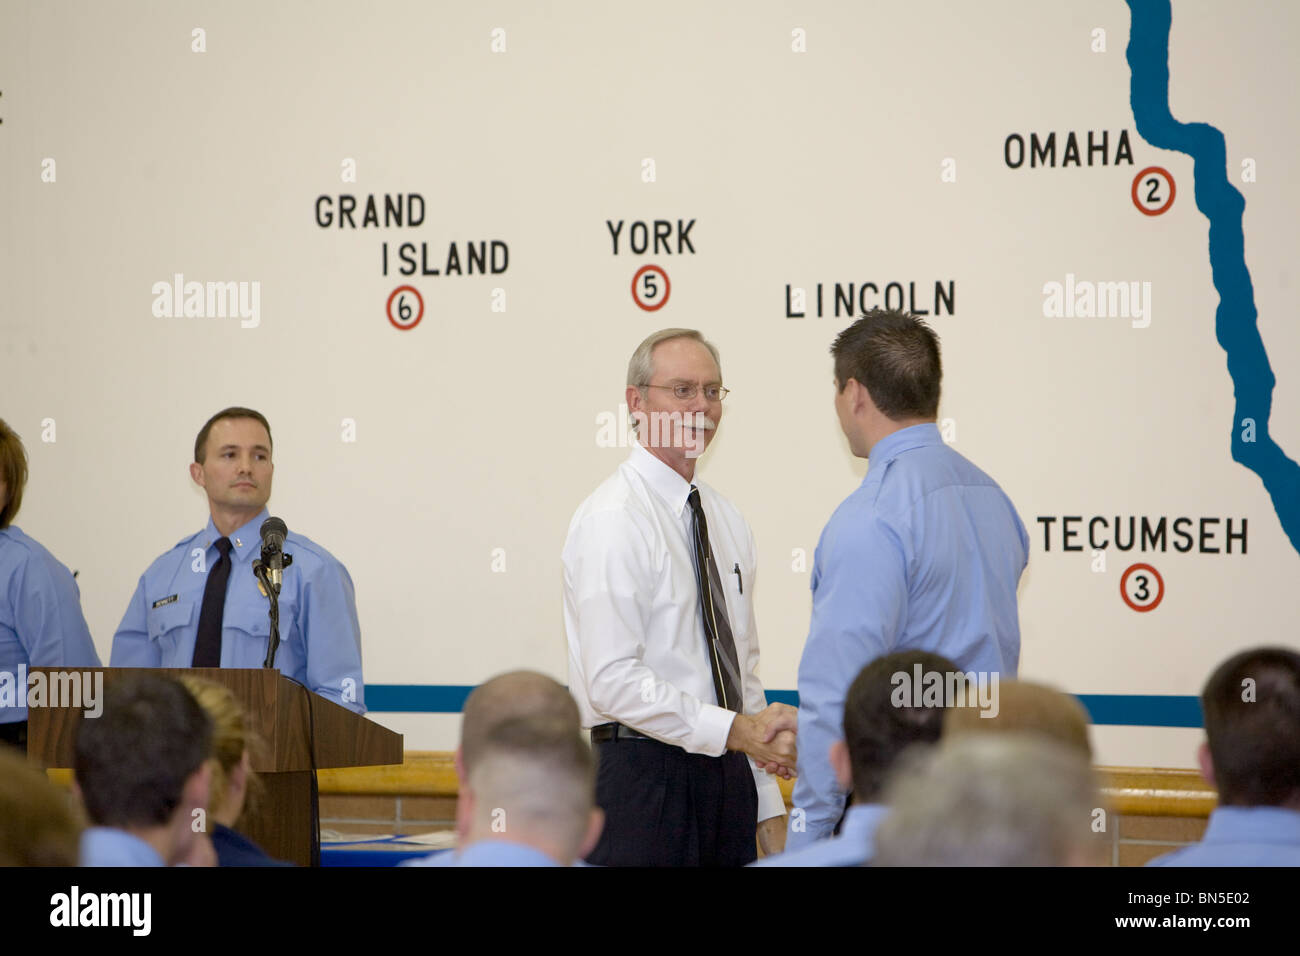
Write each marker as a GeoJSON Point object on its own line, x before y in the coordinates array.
{"type": "Point", "coordinates": [665, 807]}
{"type": "Point", "coordinates": [15, 734]}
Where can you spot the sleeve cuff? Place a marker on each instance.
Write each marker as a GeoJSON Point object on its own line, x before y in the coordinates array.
{"type": "Point", "coordinates": [770, 802]}
{"type": "Point", "coordinates": [712, 729]}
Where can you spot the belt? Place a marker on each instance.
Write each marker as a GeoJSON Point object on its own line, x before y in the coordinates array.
{"type": "Point", "coordinates": [607, 732]}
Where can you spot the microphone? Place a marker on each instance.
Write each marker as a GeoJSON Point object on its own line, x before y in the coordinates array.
{"type": "Point", "coordinates": [273, 534]}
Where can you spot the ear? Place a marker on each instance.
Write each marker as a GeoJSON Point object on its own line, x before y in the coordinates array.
{"type": "Point", "coordinates": [460, 766]}
{"type": "Point", "coordinates": [858, 397]}
{"type": "Point", "coordinates": [595, 825]}
{"type": "Point", "coordinates": [198, 787]}
{"type": "Point", "coordinates": [1207, 764]}
{"type": "Point", "coordinates": [239, 775]}
{"type": "Point", "coordinates": [464, 814]}
{"type": "Point", "coordinates": [196, 472]}
{"type": "Point", "coordinates": [841, 765]}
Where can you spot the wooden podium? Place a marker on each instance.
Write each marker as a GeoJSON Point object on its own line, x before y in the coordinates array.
{"type": "Point", "coordinates": [292, 721]}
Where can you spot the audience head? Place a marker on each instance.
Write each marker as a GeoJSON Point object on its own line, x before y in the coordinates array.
{"type": "Point", "coordinates": [13, 473]}
{"type": "Point", "coordinates": [992, 800]}
{"type": "Point", "coordinates": [1026, 707]}
{"type": "Point", "coordinates": [233, 745]}
{"type": "Point", "coordinates": [39, 825]}
{"type": "Point", "coordinates": [1252, 726]}
{"type": "Point", "coordinates": [142, 765]}
{"type": "Point", "coordinates": [879, 723]}
{"type": "Point", "coordinates": [533, 782]}
{"type": "Point", "coordinates": [506, 696]}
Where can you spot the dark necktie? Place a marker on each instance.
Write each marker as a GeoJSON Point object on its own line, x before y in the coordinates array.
{"type": "Point", "coordinates": [207, 646]}
{"type": "Point", "coordinates": [713, 604]}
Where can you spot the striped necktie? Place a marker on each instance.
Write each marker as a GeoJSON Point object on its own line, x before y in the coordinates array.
{"type": "Point", "coordinates": [713, 605]}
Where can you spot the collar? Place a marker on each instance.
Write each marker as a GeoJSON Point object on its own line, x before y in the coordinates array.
{"type": "Point", "coordinates": [502, 853]}
{"type": "Point", "coordinates": [667, 484]}
{"type": "Point", "coordinates": [247, 539]}
{"type": "Point", "coordinates": [905, 439]}
{"type": "Point", "coordinates": [1253, 825]}
{"type": "Point", "coordinates": [861, 820]}
{"type": "Point", "coordinates": [104, 844]}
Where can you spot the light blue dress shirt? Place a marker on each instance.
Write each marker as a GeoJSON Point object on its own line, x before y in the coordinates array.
{"type": "Point", "coordinates": [855, 845]}
{"type": "Point", "coordinates": [486, 853]}
{"type": "Point", "coordinates": [41, 624]}
{"type": "Point", "coordinates": [104, 846]}
{"type": "Point", "coordinates": [926, 555]}
{"type": "Point", "coordinates": [1243, 836]}
{"type": "Point", "coordinates": [320, 637]}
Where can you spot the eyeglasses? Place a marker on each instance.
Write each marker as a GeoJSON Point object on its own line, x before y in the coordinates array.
{"type": "Point", "coordinates": [685, 391]}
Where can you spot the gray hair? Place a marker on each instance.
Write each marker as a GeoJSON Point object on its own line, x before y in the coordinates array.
{"type": "Point", "coordinates": [641, 368]}
{"type": "Point", "coordinates": [992, 800]}
{"type": "Point", "coordinates": [535, 776]}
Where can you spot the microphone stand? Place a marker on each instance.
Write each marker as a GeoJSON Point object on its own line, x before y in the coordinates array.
{"type": "Point", "coordinates": [272, 592]}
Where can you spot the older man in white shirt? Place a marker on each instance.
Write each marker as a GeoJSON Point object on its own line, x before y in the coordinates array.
{"type": "Point", "coordinates": [663, 652]}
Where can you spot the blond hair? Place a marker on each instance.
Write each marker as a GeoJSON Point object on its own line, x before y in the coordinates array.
{"type": "Point", "coordinates": [40, 824]}
{"type": "Point", "coordinates": [232, 737]}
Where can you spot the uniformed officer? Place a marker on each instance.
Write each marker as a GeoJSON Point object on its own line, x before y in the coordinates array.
{"type": "Point", "coordinates": [41, 624]}
{"type": "Point", "coordinates": [200, 605]}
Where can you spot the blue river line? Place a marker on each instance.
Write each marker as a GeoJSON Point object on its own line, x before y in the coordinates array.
{"type": "Point", "coordinates": [1235, 322]}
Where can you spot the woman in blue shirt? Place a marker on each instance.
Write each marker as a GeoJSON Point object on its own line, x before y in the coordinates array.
{"type": "Point", "coordinates": [41, 624]}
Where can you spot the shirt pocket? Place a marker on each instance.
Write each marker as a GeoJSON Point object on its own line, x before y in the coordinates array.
{"type": "Point", "coordinates": [739, 595]}
{"type": "Point", "coordinates": [252, 627]}
{"type": "Point", "coordinates": [166, 624]}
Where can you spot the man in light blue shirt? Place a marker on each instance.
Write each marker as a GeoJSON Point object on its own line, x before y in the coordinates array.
{"type": "Point", "coordinates": [200, 605]}
{"type": "Point", "coordinates": [515, 695]}
{"type": "Point", "coordinates": [141, 768]}
{"type": "Point", "coordinates": [1252, 755]}
{"type": "Point", "coordinates": [530, 799]}
{"type": "Point", "coordinates": [879, 725]}
{"type": "Point", "coordinates": [41, 624]}
{"type": "Point", "coordinates": [926, 554]}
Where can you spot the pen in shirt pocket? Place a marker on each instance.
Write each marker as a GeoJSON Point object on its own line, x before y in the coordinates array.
{"type": "Point", "coordinates": [739, 583]}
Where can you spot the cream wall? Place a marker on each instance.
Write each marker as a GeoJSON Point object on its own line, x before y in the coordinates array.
{"type": "Point", "coordinates": [477, 430]}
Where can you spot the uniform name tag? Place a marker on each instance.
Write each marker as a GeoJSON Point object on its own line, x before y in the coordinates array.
{"type": "Point", "coordinates": [167, 600]}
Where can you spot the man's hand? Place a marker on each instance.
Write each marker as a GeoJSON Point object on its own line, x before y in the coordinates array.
{"type": "Point", "coordinates": [784, 772]}
{"type": "Point", "coordinates": [768, 737]}
{"type": "Point", "coordinates": [771, 836]}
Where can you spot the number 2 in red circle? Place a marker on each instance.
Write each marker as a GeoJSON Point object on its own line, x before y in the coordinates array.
{"type": "Point", "coordinates": [1153, 191]}
{"type": "Point", "coordinates": [1142, 587]}
{"type": "Point", "coordinates": [650, 288]}
{"type": "Point", "coordinates": [400, 312]}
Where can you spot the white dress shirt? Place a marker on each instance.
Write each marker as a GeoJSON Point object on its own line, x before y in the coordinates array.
{"type": "Point", "coordinates": [637, 648]}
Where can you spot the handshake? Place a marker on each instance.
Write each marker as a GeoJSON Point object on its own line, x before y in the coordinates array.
{"type": "Point", "coordinates": [768, 738]}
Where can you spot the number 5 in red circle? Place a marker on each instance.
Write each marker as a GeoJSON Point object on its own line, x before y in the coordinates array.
{"type": "Point", "coordinates": [650, 288]}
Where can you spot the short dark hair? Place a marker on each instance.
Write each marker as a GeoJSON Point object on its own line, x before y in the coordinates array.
{"type": "Point", "coordinates": [1254, 728]}
{"type": "Point", "coordinates": [132, 760]}
{"type": "Point", "coordinates": [235, 411]}
{"type": "Point", "coordinates": [876, 730]}
{"type": "Point", "coordinates": [895, 356]}
{"type": "Point", "coordinates": [13, 469]}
